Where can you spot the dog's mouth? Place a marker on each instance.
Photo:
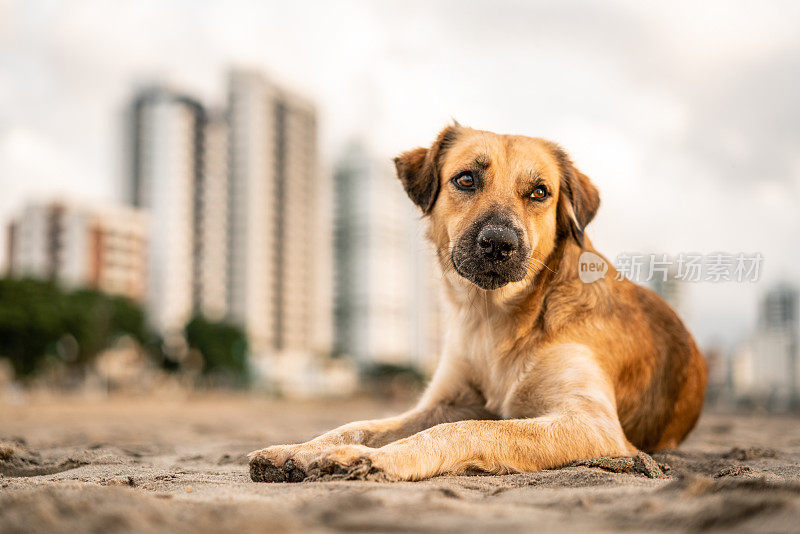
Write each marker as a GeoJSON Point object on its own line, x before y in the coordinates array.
{"type": "Point", "coordinates": [490, 279]}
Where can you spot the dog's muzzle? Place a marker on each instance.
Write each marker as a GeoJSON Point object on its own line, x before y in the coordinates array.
{"type": "Point", "coordinates": [491, 253]}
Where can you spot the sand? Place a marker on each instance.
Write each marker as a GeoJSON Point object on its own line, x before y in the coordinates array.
{"type": "Point", "coordinates": [178, 465]}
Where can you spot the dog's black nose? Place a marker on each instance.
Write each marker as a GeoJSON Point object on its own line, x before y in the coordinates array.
{"type": "Point", "coordinates": [497, 242]}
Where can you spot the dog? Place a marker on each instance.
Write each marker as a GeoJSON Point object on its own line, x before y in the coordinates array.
{"type": "Point", "coordinates": [539, 369]}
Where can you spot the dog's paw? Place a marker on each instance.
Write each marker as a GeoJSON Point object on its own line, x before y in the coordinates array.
{"type": "Point", "coordinates": [276, 464]}
{"type": "Point", "coordinates": [642, 464]}
{"type": "Point", "coordinates": [349, 462]}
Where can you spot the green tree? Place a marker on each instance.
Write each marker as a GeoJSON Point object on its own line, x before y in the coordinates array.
{"type": "Point", "coordinates": [223, 347]}
{"type": "Point", "coordinates": [40, 320]}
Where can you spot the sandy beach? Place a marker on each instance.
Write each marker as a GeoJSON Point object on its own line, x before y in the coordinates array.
{"type": "Point", "coordinates": [178, 465]}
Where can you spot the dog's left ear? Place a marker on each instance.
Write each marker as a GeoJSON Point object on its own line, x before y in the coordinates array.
{"type": "Point", "coordinates": [579, 199]}
{"type": "Point", "coordinates": [418, 169]}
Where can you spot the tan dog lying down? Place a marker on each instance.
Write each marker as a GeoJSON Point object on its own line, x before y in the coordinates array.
{"type": "Point", "coordinates": [538, 369]}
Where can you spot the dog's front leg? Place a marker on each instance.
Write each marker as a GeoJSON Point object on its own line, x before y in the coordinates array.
{"type": "Point", "coordinates": [500, 447]}
{"type": "Point", "coordinates": [581, 422]}
{"type": "Point", "coordinates": [447, 399]}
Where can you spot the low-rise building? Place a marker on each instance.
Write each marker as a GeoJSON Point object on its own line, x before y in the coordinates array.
{"type": "Point", "coordinates": [103, 248]}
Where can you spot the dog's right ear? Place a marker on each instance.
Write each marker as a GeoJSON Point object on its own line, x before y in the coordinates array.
{"type": "Point", "coordinates": [418, 169]}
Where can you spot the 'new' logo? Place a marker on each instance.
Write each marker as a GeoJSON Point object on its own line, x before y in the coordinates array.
{"type": "Point", "coordinates": [591, 267]}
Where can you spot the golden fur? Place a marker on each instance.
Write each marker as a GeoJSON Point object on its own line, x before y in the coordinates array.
{"type": "Point", "coordinates": [539, 372]}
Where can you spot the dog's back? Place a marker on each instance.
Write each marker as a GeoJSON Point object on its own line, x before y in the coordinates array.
{"type": "Point", "coordinates": [660, 379]}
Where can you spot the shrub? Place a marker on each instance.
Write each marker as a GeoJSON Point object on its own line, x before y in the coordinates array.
{"type": "Point", "coordinates": [40, 320]}
{"type": "Point", "coordinates": [223, 347]}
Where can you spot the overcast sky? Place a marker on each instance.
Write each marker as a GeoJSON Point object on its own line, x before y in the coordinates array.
{"type": "Point", "coordinates": [686, 114]}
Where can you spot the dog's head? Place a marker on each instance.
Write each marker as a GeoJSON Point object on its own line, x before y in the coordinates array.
{"type": "Point", "coordinates": [498, 204]}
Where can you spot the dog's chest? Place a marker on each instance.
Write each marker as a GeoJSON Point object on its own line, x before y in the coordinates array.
{"type": "Point", "coordinates": [494, 371]}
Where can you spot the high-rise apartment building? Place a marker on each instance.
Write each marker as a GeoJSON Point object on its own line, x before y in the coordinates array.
{"type": "Point", "coordinates": [386, 295]}
{"type": "Point", "coordinates": [252, 156]}
{"type": "Point", "coordinates": [297, 178]}
{"type": "Point", "coordinates": [166, 170]}
{"type": "Point", "coordinates": [273, 173]}
{"type": "Point", "coordinates": [211, 222]}
{"type": "Point", "coordinates": [767, 367]}
{"type": "Point", "coordinates": [233, 200]}
{"type": "Point", "coordinates": [79, 246]}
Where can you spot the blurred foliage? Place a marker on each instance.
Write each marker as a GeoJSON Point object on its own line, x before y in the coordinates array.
{"type": "Point", "coordinates": [398, 382]}
{"type": "Point", "coordinates": [223, 347]}
{"type": "Point", "coordinates": [39, 320]}
{"type": "Point", "coordinates": [384, 371]}
{"type": "Point", "coordinates": [41, 323]}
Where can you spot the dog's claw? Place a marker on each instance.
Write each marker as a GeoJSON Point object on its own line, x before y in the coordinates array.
{"type": "Point", "coordinates": [294, 473]}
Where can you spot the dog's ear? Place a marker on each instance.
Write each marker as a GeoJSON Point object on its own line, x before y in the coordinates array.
{"type": "Point", "coordinates": [418, 169]}
{"type": "Point", "coordinates": [579, 199]}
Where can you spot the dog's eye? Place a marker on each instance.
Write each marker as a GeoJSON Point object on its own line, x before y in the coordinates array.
{"type": "Point", "coordinates": [540, 193]}
{"type": "Point", "coordinates": [465, 180]}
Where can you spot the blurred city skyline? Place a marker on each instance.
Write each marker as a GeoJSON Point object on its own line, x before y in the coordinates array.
{"type": "Point", "coordinates": [684, 114]}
